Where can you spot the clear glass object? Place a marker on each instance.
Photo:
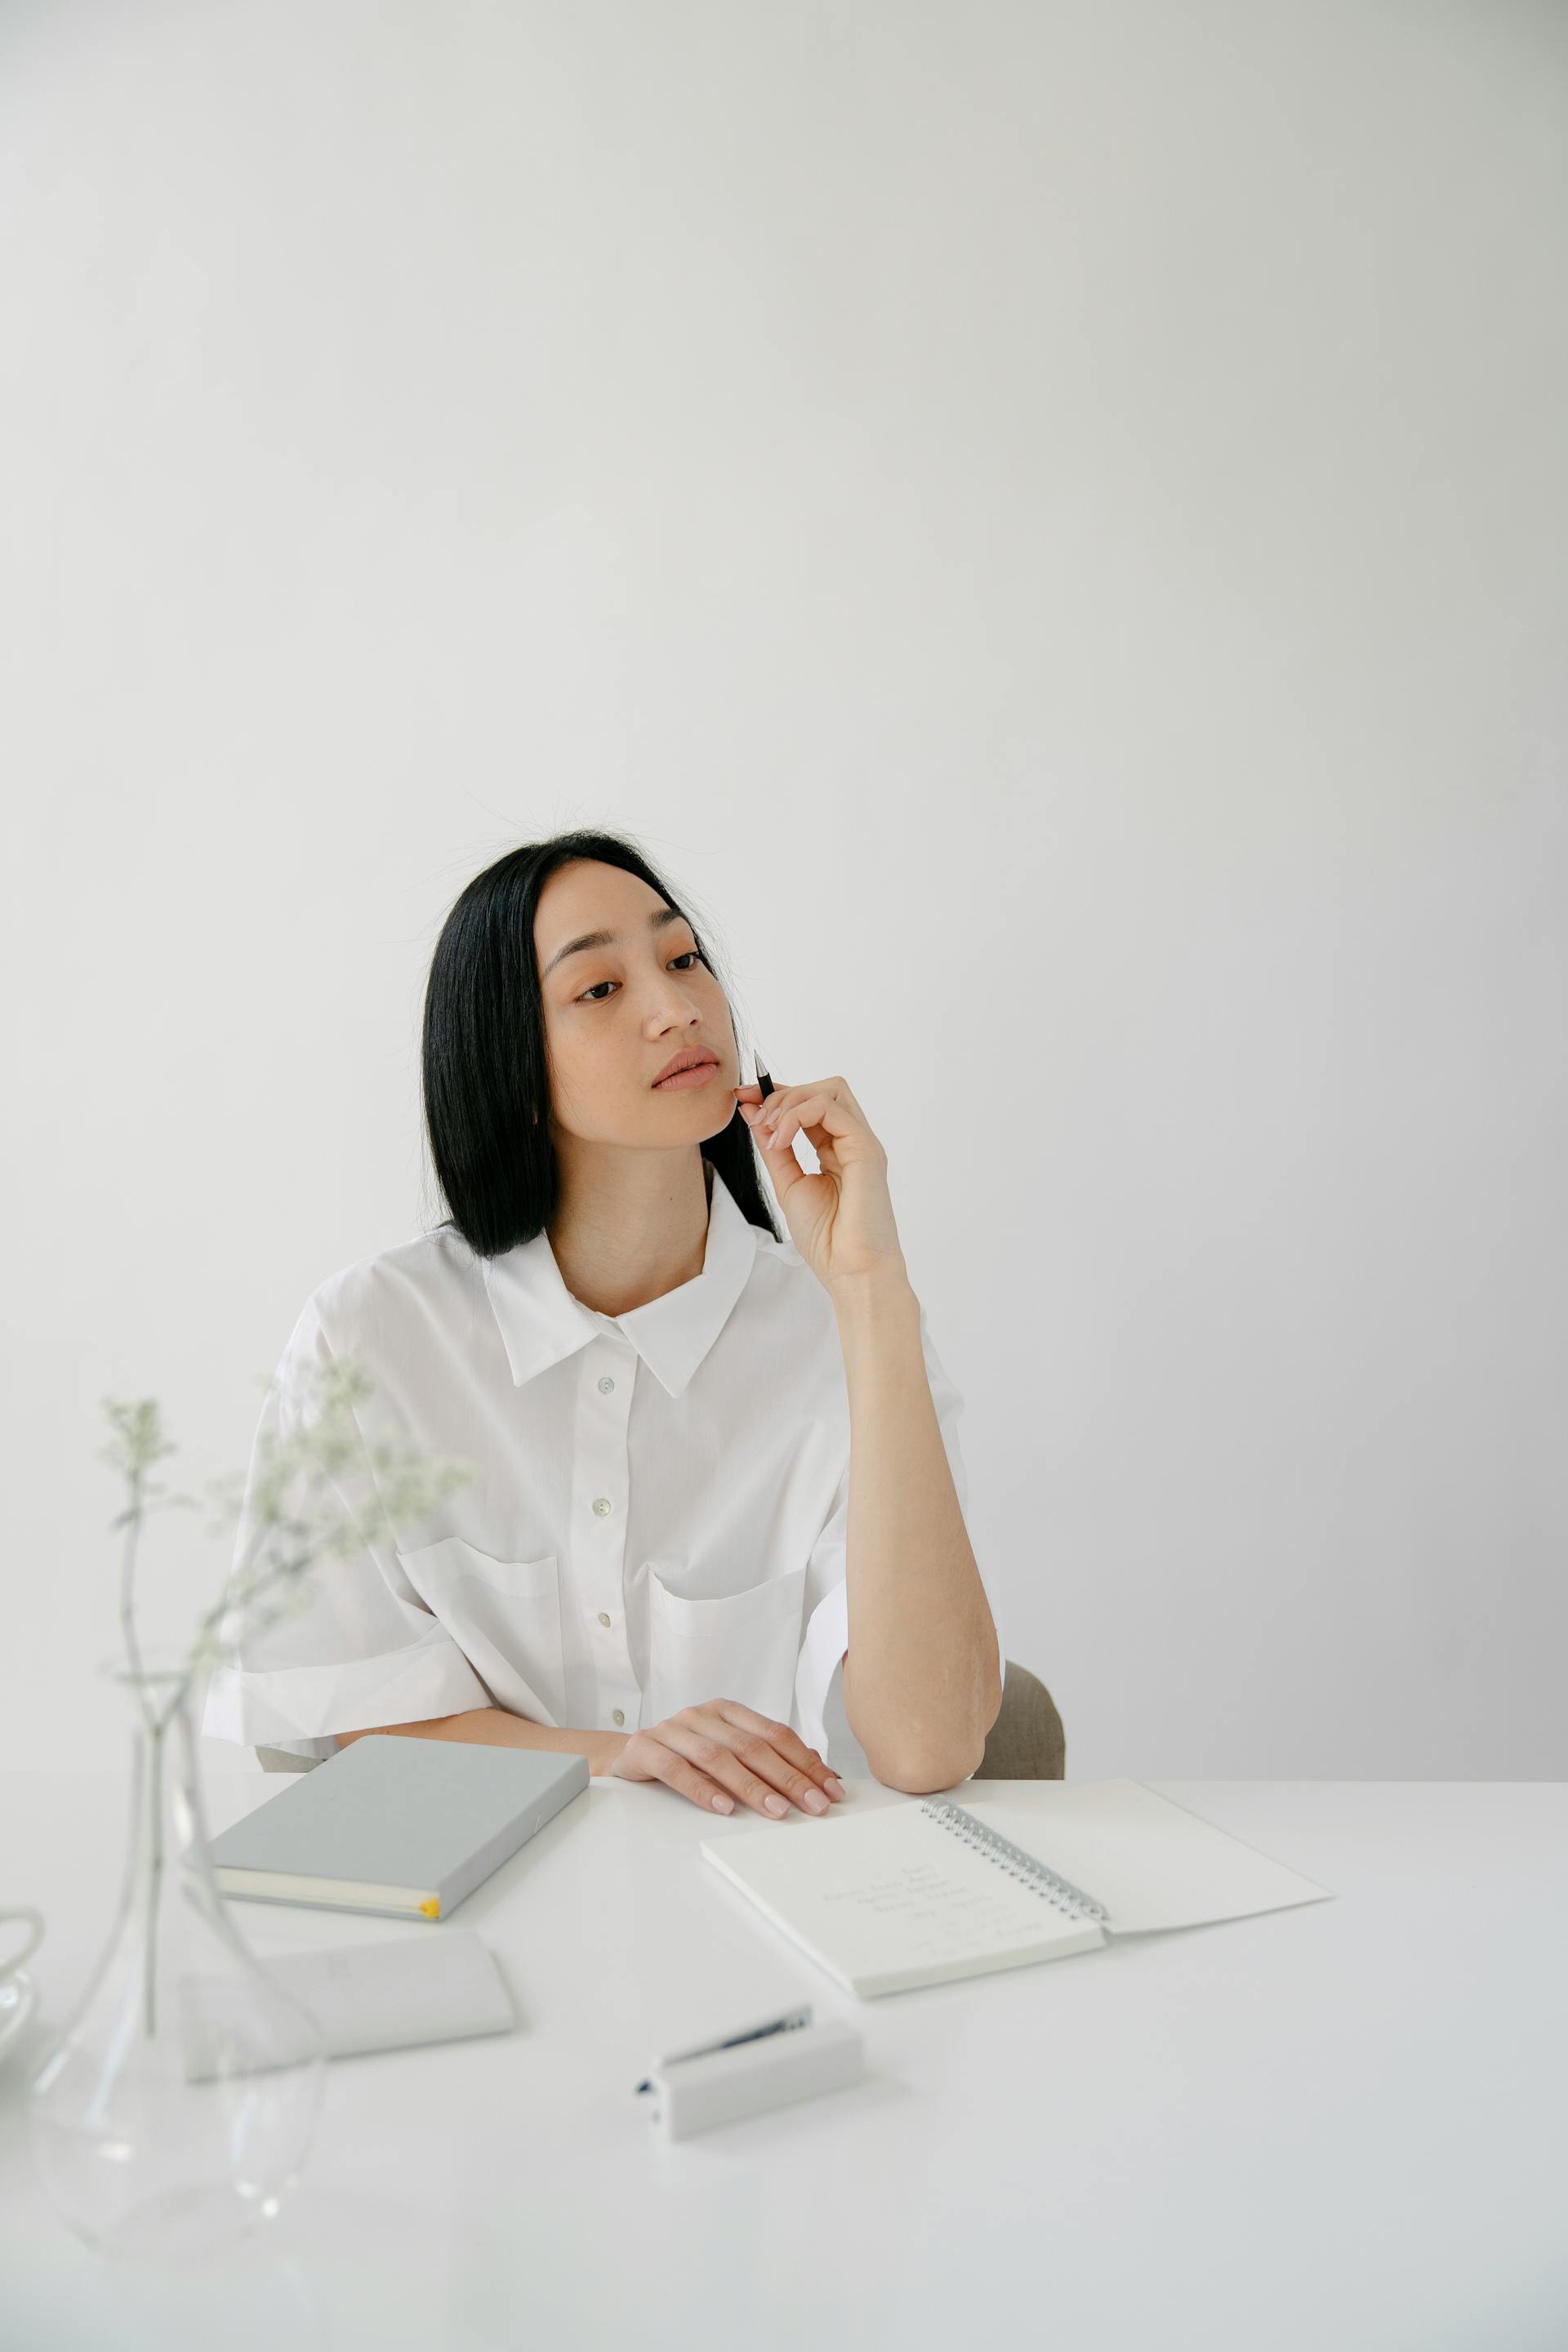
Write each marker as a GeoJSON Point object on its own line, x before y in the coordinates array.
{"type": "Point", "coordinates": [175, 2109]}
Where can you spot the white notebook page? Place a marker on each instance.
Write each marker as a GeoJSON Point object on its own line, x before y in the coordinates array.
{"type": "Point", "coordinates": [893, 1895]}
{"type": "Point", "coordinates": [1147, 1859]}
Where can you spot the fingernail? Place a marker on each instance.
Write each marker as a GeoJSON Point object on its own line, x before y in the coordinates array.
{"type": "Point", "coordinates": [833, 1785]}
{"type": "Point", "coordinates": [813, 1800]}
{"type": "Point", "coordinates": [776, 1804]}
{"type": "Point", "coordinates": [723, 1804]}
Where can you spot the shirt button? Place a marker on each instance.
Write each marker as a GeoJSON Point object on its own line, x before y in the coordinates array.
{"type": "Point", "coordinates": [602, 1506]}
{"type": "Point", "coordinates": [606, 1385]}
{"type": "Point", "coordinates": [603, 1617]}
{"type": "Point", "coordinates": [619, 1716]}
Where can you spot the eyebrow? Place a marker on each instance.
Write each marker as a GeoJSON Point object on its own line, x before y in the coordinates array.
{"type": "Point", "coordinates": [655, 922]}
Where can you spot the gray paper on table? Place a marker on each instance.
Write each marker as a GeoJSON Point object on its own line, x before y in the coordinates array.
{"type": "Point", "coordinates": [393, 1996]}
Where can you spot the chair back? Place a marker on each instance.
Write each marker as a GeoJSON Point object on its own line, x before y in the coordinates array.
{"type": "Point", "coordinates": [1026, 1742]}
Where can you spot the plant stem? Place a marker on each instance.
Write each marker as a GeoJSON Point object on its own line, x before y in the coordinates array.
{"type": "Point", "coordinates": [127, 1589]}
{"type": "Point", "coordinates": [155, 1793]}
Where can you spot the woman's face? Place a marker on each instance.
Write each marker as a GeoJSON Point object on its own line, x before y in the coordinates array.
{"type": "Point", "coordinates": [616, 1013]}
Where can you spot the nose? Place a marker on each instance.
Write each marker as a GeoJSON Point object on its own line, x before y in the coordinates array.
{"type": "Point", "coordinates": [676, 1008]}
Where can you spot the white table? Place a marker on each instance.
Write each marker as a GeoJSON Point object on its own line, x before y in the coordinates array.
{"type": "Point", "coordinates": [1335, 2127]}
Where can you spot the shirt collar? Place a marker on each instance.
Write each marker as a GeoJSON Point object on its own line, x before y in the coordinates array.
{"type": "Point", "coordinates": [541, 1323]}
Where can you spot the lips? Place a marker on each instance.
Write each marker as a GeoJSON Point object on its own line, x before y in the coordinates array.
{"type": "Point", "coordinates": [692, 1059]}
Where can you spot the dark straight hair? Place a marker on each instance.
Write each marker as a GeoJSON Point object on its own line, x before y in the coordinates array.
{"type": "Point", "coordinates": [486, 1070]}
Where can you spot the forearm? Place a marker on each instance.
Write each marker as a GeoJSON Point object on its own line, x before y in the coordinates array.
{"type": "Point", "coordinates": [922, 1682]}
{"type": "Point", "coordinates": [496, 1727]}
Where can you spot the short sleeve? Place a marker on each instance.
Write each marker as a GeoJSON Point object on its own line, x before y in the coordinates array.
{"type": "Point", "coordinates": [819, 1715]}
{"type": "Point", "coordinates": [363, 1649]}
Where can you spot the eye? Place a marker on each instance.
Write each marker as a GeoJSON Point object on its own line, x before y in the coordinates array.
{"type": "Point", "coordinates": [692, 955]}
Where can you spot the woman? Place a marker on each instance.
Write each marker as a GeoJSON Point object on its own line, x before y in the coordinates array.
{"type": "Point", "coordinates": [713, 1536]}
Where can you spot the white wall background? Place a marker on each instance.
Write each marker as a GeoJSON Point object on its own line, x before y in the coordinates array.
{"type": "Point", "coordinates": [1048, 521]}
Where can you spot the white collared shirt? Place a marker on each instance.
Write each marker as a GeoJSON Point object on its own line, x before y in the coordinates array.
{"type": "Point", "coordinates": [657, 1516]}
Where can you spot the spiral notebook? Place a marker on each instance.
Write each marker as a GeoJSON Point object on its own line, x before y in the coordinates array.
{"type": "Point", "coordinates": [915, 1895]}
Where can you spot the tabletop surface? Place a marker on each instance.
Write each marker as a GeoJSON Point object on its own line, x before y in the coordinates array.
{"type": "Point", "coordinates": [1341, 2124]}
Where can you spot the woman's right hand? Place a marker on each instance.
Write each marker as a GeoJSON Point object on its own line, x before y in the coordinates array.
{"type": "Point", "coordinates": [722, 1751]}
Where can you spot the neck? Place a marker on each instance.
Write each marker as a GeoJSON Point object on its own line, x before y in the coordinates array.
{"type": "Point", "coordinates": [625, 1232]}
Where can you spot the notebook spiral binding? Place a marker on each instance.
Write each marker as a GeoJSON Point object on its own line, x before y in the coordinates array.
{"type": "Point", "coordinates": [1026, 1868]}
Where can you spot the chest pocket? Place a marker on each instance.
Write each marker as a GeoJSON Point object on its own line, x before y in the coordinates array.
{"type": "Point", "coordinates": [744, 1645]}
{"type": "Point", "coordinates": [505, 1617]}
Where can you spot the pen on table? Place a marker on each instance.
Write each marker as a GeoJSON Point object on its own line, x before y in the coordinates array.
{"type": "Point", "coordinates": [784, 2024]}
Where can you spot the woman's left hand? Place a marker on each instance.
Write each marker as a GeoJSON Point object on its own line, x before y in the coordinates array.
{"type": "Point", "coordinates": [841, 1221]}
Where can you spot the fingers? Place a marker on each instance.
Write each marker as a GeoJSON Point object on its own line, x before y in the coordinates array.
{"type": "Point", "coordinates": [723, 1752]}
{"type": "Point", "coordinates": [791, 1746]}
{"type": "Point", "coordinates": [835, 1089]}
{"type": "Point", "coordinates": [825, 1107]}
{"type": "Point", "coordinates": [719, 1762]}
{"type": "Point", "coordinates": [757, 1763]}
{"type": "Point", "coordinates": [646, 1757]}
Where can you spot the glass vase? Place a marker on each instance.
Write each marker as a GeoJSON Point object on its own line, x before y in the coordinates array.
{"type": "Point", "coordinates": [174, 2110]}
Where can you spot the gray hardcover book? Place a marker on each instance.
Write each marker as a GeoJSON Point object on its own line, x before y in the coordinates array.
{"type": "Point", "coordinates": [396, 1825]}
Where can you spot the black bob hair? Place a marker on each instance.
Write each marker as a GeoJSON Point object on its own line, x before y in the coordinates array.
{"type": "Point", "coordinates": [486, 1072]}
